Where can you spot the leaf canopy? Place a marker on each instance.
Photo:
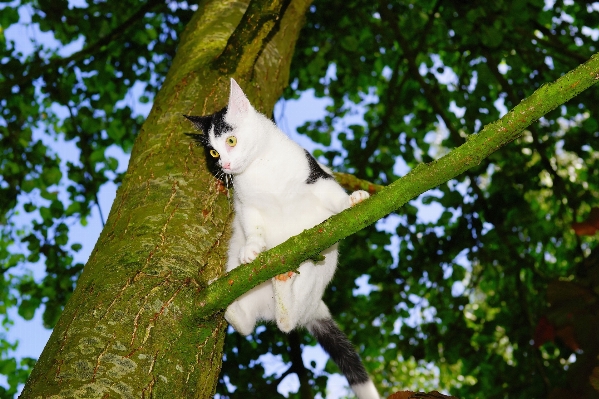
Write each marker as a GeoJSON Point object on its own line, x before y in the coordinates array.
{"type": "Point", "coordinates": [481, 287]}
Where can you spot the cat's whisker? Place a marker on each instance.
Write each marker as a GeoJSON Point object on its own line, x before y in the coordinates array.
{"type": "Point", "coordinates": [230, 186]}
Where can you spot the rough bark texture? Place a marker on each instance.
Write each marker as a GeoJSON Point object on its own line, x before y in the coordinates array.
{"type": "Point", "coordinates": [128, 330]}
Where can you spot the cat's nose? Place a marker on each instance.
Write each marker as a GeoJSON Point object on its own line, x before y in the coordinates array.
{"type": "Point", "coordinates": [227, 165]}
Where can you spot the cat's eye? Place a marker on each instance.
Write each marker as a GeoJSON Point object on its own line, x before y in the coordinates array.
{"type": "Point", "coordinates": [214, 153]}
{"type": "Point", "coordinates": [231, 141]}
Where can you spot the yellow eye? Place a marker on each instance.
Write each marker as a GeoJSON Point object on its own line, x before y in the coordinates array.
{"type": "Point", "coordinates": [231, 141]}
{"type": "Point", "coordinates": [214, 153]}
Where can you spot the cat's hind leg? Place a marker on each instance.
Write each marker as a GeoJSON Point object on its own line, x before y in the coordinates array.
{"type": "Point", "coordinates": [256, 304]}
{"type": "Point", "coordinates": [239, 319]}
{"type": "Point", "coordinates": [297, 297]}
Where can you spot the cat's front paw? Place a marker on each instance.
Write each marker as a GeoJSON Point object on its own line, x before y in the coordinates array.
{"type": "Point", "coordinates": [358, 196]}
{"type": "Point", "coordinates": [250, 251]}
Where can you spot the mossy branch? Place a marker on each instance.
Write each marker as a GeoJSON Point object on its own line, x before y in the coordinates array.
{"type": "Point", "coordinates": [352, 183]}
{"type": "Point", "coordinates": [288, 255]}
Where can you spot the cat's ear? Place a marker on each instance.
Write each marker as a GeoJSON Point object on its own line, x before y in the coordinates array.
{"type": "Point", "coordinates": [239, 105]}
{"type": "Point", "coordinates": [200, 122]}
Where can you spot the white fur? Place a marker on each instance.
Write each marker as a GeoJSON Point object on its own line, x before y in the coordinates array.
{"type": "Point", "coordinates": [272, 203]}
{"type": "Point", "coordinates": [365, 390]}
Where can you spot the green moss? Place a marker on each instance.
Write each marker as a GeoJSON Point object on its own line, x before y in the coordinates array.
{"type": "Point", "coordinates": [120, 365]}
{"type": "Point", "coordinates": [82, 370]}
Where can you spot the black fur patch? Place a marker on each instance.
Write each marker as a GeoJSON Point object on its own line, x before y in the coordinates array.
{"type": "Point", "coordinates": [341, 350]}
{"type": "Point", "coordinates": [316, 172]}
{"type": "Point", "coordinates": [204, 123]}
{"type": "Point", "coordinates": [201, 123]}
{"type": "Point", "coordinates": [218, 121]}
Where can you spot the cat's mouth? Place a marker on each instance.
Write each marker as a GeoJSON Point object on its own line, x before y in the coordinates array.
{"type": "Point", "coordinates": [227, 168]}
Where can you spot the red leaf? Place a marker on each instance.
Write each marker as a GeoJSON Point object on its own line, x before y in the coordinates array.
{"type": "Point", "coordinates": [590, 226]}
{"type": "Point", "coordinates": [401, 395]}
{"type": "Point", "coordinates": [566, 334]}
{"type": "Point", "coordinates": [544, 332]}
{"type": "Point", "coordinates": [419, 395]}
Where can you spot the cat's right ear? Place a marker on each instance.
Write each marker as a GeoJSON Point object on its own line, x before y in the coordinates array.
{"type": "Point", "coordinates": [239, 105]}
{"type": "Point", "coordinates": [200, 122]}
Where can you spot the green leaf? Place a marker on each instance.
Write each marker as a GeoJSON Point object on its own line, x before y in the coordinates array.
{"type": "Point", "coordinates": [49, 195]}
{"type": "Point", "coordinates": [429, 199]}
{"type": "Point", "coordinates": [491, 37]}
{"type": "Point", "coordinates": [51, 176]}
{"type": "Point", "coordinates": [76, 247]}
{"type": "Point", "coordinates": [8, 16]}
{"type": "Point", "coordinates": [8, 366]}
{"type": "Point", "coordinates": [590, 124]}
{"type": "Point", "coordinates": [97, 155]}
{"type": "Point", "coordinates": [45, 213]}
{"type": "Point", "coordinates": [73, 208]}
{"type": "Point", "coordinates": [61, 239]}
{"type": "Point", "coordinates": [27, 308]}
{"type": "Point", "coordinates": [350, 43]}
{"type": "Point", "coordinates": [51, 315]}
{"type": "Point", "coordinates": [28, 185]}
{"type": "Point", "coordinates": [112, 163]}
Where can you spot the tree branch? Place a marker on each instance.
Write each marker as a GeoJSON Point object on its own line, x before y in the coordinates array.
{"type": "Point", "coordinates": [353, 183]}
{"type": "Point", "coordinates": [288, 255]}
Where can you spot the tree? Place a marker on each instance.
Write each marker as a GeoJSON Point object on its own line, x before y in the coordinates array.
{"type": "Point", "coordinates": [129, 328]}
{"type": "Point", "coordinates": [509, 231]}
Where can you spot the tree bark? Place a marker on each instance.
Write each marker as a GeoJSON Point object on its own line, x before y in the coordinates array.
{"type": "Point", "coordinates": [129, 329]}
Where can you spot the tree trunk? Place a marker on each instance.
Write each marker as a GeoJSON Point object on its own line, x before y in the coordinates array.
{"type": "Point", "coordinates": [129, 329]}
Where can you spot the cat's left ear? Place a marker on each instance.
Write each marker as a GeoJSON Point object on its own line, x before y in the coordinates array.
{"type": "Point", "coordinates": [239, 105]}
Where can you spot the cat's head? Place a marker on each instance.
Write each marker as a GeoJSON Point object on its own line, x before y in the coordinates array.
{"type": "Point", "coordinates": [231, 137]}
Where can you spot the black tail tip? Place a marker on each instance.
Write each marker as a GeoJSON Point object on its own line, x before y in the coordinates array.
{"type": "Point", "coordinates": [340, 349]}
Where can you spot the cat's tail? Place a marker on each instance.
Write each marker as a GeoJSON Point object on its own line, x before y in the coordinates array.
{"type": "Point", "coordinates": [341, 350]}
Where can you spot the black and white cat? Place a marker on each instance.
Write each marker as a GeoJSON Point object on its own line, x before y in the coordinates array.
{"type": "Point", "coordinates": [279, 191]}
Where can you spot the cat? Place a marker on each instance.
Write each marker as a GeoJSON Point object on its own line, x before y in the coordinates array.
{"type": "Point", "coordinates": [279, 190]}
